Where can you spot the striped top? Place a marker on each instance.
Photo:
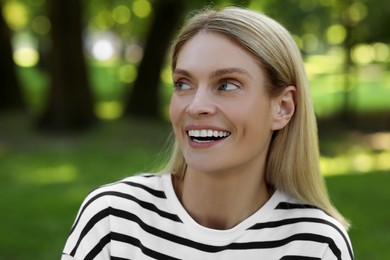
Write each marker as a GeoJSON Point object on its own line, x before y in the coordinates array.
{"type": "Point", "coordinates": [140, 217]}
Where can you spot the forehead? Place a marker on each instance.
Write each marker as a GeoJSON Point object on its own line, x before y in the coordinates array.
{"type": "Point", "coordinates": [214, 50]}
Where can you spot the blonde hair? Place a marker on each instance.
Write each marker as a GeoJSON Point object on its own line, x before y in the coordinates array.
{"type": "Point", "coordinates": [293, 157]}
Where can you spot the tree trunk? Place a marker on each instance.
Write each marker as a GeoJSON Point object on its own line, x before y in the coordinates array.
{"type": "Point", "coordinates": [10, 91]}
{"type": "Point", "coordinates": [69, 104]}
{"type": "Point", "coordinates": [143, 100]}
{"type": "Point", "coordinates": [347, 110]}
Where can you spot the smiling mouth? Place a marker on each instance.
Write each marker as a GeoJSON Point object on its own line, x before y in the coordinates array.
{"type": "Point", "coordinates": [207, 135]}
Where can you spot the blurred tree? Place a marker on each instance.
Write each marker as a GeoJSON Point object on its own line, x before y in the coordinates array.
{"type": "Point", "coordinates": [144, 98]}
{"type": "Point", "coordinates": [347, 22]}
{"type": "Point", "coordinates": [10, 91]}
{"type": "Point", "coordinates": [372, 20]}
{"type": "Point", "coordinates": [360, 21]}
{"type": "Point", "coordinates": [364, 21]}
{"type": "Point", "coordinates": [69, 103]}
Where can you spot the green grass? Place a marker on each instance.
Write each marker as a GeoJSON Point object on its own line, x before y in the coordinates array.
{"type": "Point", "coordinates": [44, 178]}
{"type": "Point", "coordinates": [364, 200]}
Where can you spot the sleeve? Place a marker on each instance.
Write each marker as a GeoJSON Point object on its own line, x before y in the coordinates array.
{"type": "Point", "coordinates": [329, 255]}
{"type": "Point", "coordinates": [90, 234]}
{"type": "Point", "coordinates": [67, 257]}
{"type": "Point", "coordinates": [341, 249]}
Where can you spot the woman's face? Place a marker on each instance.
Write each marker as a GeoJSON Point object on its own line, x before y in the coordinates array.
{"type": "Point", "coordinates": [221, 114]}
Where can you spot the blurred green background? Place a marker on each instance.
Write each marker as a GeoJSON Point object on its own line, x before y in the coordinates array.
{"type": "Point", "coordinates": [84, 91]}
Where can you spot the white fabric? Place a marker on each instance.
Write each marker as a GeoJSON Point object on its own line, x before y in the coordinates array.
{"type": "Point", "coordinates": [141, 218]}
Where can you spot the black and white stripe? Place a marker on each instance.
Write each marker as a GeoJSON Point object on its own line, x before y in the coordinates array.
{"type": "Point", "coordinates": [138, 219]}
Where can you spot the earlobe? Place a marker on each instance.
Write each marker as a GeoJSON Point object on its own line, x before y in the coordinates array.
{"type": "Point", "coordinates": [284, 107]}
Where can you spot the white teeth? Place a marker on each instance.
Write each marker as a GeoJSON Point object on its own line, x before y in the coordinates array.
{"type": "Point", "coordinates": [208, 133]}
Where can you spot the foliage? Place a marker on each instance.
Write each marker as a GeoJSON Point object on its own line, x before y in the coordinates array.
{"type": "Point", "coordinates": [320, 27]}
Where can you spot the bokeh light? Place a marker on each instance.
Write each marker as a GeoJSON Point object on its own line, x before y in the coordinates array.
{"type": "Point", "coordinates": [311, 23]}
{"type": "Point", "coordinates": [16, 14]}
{"type": "Point", "coordinates": [108, 110]}
{"type": "Point", "coordinates": [102, 50]}
{"type": "Point", "coordinates": [363, 54]}
{"type": "Point", "coordinates": [133, 53]}
{"type": "Point", "coordinates": [310, 42]}
{"type": "Point", "coordinates": [121, 14]}
{"type": "Point", "coordinates": [104, 46]}
{"type": "Point", "coordinates": [166, 75]}
{"type": "Point", "coordinates": [127, 73]}
{"type": "Point", "coordinates": [382, 52]}
{"type": "Point", "coordinates": [336, 34]}
{"type": "Point", "coordinates": [357, 11]}
{"type": "Point", "coordinates": [41, 25]}
{"type": "Point", "coordinates": [142, 8]}
{"type": "Point", "coordinates": [104, 20]}
{"type": "Point", "coordinates": [26, 56]}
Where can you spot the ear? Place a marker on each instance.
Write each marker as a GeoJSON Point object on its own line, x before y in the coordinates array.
{"type": "Point", "coordinates": [283, 107]}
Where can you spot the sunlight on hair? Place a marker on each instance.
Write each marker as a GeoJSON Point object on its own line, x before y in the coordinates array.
{"type": "Point", "coordinates": [108, 110]}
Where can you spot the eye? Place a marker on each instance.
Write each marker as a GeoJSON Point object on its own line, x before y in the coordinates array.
{"type": "Point", "coordinates": [228, 86]}
{"type": "Point", "coordinates": [179, 85]}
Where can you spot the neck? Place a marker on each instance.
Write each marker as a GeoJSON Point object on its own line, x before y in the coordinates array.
{"type": "Point", "coordinates": [221, 201]}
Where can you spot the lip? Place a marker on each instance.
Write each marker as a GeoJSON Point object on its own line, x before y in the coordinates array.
{"type": "Point", "coordinates": [204, 145]}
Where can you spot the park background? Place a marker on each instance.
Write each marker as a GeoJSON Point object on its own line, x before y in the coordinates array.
{"type": "Point", "coordinates": [84, 91]}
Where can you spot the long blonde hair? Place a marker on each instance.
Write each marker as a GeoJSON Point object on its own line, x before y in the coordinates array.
{"type": "Point", "coordinates": [293, 157]}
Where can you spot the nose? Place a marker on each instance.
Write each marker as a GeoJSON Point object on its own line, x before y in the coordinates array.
{"type": "Point", "coordinates": [201, 103]}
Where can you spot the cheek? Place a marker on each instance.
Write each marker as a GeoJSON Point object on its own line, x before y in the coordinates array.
{"type": "Point", "coordinates": [176, 108]}
{"type": "Point", "coordinates": [259, 116]}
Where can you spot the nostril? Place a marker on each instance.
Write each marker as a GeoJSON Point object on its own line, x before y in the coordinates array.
{"type": "Point", "coordinates": [196, 109]}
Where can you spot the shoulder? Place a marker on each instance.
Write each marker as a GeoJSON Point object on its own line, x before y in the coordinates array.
{"type": "Point", "coordinates": [310, 223]}
{"type": "Point", "coordinates": [104, 209]}
{"type": "Point", "coordinates": [125, 194]}
{"type": "Point", "coordinates": [135, 188]}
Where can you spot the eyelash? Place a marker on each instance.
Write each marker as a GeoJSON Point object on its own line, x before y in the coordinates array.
{"type": "Point", "coordinates": [230, 82]}
{"type": "Point", "coordinates": [176, 85]}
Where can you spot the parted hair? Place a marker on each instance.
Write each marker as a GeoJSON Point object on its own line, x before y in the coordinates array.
{"type": "Point", "coordinates": [292, 163]}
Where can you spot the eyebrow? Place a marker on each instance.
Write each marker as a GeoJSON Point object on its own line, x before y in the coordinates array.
{"type": "Point", "coordinates": [222, 72]}
{"type": "Point", "coordinates": [215, 74]}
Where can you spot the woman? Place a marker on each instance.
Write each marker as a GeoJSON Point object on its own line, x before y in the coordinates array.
{"type": "Point", "coordinates": [243, 181]}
